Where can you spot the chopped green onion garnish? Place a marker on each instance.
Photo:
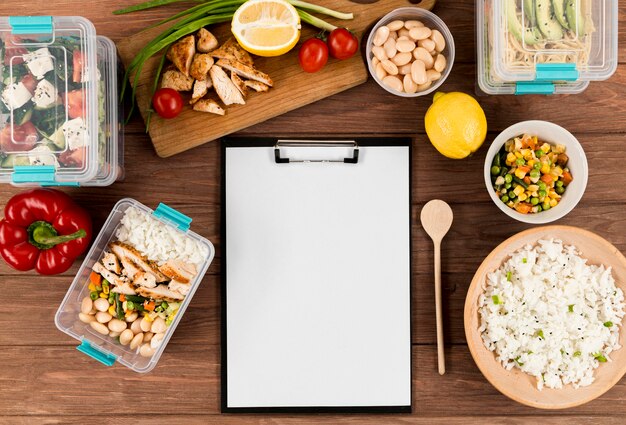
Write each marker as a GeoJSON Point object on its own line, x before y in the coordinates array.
{"type": "Point", "coordinates": [517, 361]}
{"type": "Point", "coordinates": [524, 260]}
{"type": "Point", "coordinates": [577, 354]}
{"type": "Point", "coordinates": [509, 275]}
{"type": "Point", "coordinates": [599, 357]}
{"type": "Point", "coordinates": [570, 308]}
{"type": "Point", "coordinates": [540, 333]}
{"type": "Point", "coordinates": [496, 299]}
{"type": "Point", "coordinates": [608, 324]}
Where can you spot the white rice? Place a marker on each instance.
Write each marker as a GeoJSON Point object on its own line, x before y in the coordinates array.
{"type": "Point", "coordinates": [158, 241]}
{"type": "Point", "coordinates": [546, 282]}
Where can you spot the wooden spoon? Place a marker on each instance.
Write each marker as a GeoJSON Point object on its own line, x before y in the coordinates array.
{"type": "Point", "coordinates": [436, 219]}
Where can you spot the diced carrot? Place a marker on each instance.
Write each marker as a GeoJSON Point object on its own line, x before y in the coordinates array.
{"type": "Point", "coordinates": [524, 168]}
{"type": "Point", "coordinates": [149, 305]}
{"type": "Point", "coordinates": [567, 178]}
{"type": "Point", "coordinates": [527, 180]}
{"type": "Point", "coordinates": [525, 141]}
{"type": "Point", "coordinates": [95, 278]}
{"type": "Point", "coordinates": [523, 208]}
{"type": "Point", "coordinates": [122, 297]}
{"type": "Point", "coordinates": [546, 178]}
{"type": "Point", "coordinates": [532, 143]}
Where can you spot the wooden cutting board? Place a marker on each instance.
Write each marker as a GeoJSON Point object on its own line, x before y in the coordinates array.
{"type": "Point", "coordinates": [292, 89]}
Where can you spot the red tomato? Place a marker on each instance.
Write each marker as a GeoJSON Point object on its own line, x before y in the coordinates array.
{"type": "Point", "coordinates": [167, 103]}
{"type": "Point", "coordinates": [342, 44]}
{"type": "Point", "coordinates": [24, 137]}
{"type": "Point", "coordinates": [75, 105]}
{"type": "Point", "coordinates": [313, 55]}
{"type": "Point", "coordinates": [30, 82]}
{"type": "Point", "coordinates": [77, 63]}
{"type": "Point", "coordinates": [13, 54]}
{"type": "Point", "coordinates": [73, 158]}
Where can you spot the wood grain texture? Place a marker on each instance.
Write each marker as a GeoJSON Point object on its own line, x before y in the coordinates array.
{"type": "Point", "coordinates": [43, 379]}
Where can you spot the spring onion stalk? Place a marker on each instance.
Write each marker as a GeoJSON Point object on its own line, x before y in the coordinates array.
{"type": "Point", "coordinates": [320, 9]}
{"type": "Point", "coordinates": [155, 85]}
{"type": "Point", "coordinates": [315, 21]}
{"type": "Point", "coordinates": [147, 5]}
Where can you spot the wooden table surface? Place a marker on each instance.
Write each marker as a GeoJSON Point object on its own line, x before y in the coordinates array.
{"type": "Point", "coordinates": [43, 379]}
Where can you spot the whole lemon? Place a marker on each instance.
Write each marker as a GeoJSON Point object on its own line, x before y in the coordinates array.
{"type": "Point", "coordinates": [456, 124]}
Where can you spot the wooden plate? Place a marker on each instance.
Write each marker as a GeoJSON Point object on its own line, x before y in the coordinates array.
{"type": "Point", "coordinates": [516, 384]}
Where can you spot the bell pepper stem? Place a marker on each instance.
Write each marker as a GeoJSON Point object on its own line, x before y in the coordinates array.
{"type": "Point", "coordinates": [44, 236]}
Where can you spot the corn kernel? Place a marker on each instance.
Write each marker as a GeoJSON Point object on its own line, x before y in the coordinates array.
{"type": "Point", "coordinates": [518, 154]}
{"type": "Point", "coordinates": [533, 188]}
{"type": "Point", "coordinates": [531, 163]}
{"type": "Point", "coordinates": [518, 190]}
{"type": "Point", "coordinates": [545, 147]}
{"type": "Point", "coordinates": [522, 197]}
{"type": "Point", "coordinates": [92, 287]}
{"type": "Point", "coordinates": [112, 311]}
{"type": "Point", "coordinates": [148, 318]}
{"type": "Point", "coordinates": [520, 174]}
{"type": "Point", "coordinates": [103, 295]}
{"type": "Point", "coordinates": [559, 149]}
{"type": "Point", "coordinates": [553, 202]}
{"type": "Point", "coordinates": [553, 194]}
{"type": "Point", "coordinates": [545, 169]}
{"type": "Point", "coordinates": [510, 157]}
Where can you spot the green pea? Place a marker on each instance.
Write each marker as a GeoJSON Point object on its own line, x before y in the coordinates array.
{"type": "Point", "coordinates": [542, 193]}
{"type": "Point", "coordinates": [539, 209]}
{"type": "Point", "coordinates": [520, 161]}
{"type": "Point", "coordinates": [542, 186]}
{"type": "Point", "coordinates": [535, 174]}
{"type": "Point", "coordinates": [505, 199]}
{"type": "Point", "coordinates": [508, 178]}
{"type": "Point", "coordinates": [512, 195]}
{"type": "Point", "coordinates": [559, 183]}
{"type": "Point", "coordinates": [537, 165]}
{"type": "Point", "coordinates": [560, 190]}
{"type": "Point", "coordinates": [546, 205]}
{"type": "Point", "coordinates": [534, 201]}
{"type": "Point", "coordinates": [538, 153]}
{"type": "Point", "coordinates": [495, 170]}
{"type": "Point", "coordinates": [507, 186]}
{"type": "Point", "coordinates": [130, 305]}
{"type": "Point", "coordinates": [93, 295]}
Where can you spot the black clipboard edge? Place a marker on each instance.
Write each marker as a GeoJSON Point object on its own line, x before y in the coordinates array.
{"type": "Point", "coordinates": [243, 142]}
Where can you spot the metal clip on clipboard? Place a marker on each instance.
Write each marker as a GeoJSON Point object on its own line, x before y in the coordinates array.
{"type": "Point", "coordinates": [312, 144]}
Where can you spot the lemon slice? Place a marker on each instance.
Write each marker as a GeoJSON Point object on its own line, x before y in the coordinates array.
{"type": "Point", "coordinates": [266, 27]}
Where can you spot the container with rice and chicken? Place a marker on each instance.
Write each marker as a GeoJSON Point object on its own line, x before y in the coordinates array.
{"type": "Point", "coordinates": [134, 285]}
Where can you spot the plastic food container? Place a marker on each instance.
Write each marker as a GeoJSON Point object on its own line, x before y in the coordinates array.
{"type": "Point", "coordinates": [57, 94]}
{"type": "Point", "coordinates": [107, 349]}
{"type": "Point", "coordinates": [430, 20]}
{"type": "Point", "coordinates": [490, 82]}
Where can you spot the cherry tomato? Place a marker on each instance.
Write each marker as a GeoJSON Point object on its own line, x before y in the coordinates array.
{"type": "Point", "coordinates": [74, 158]}
{"type": "Point", "coordinates": [13, 54]}
{"type": "Point", "coordinates": [75, 105]}
{"type": "Point", "coordinates": [24, 137]}
{"type": "Point", "coordinates": [342, 44]}
{"type": "Point", "coordinates": [77, 63]}
{"type": "Point", "coordinates": [313, 55]}
{"type": "Point", "coordinates": [167, 103]}
{"type": "Point", "coordinates": [29, 82]}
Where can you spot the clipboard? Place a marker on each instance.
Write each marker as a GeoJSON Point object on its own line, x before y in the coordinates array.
{"type": "Point", "coordinates": [316, 276]}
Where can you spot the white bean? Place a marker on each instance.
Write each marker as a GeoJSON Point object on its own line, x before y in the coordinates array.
{"type": "Point", "coordinates": [440, 41]}
{"type": "Point", "coordinates": [114, 334]}
{"type": "Point", "coordinates": [422, 54]}
{"type": "Point", "coordinates": [390, 48]}
{"type": "Point", "coordinates": [126, 337]}
{"type": "Point", "coordinates": [420, 33]}
{"type": "Point", "coordinates": [379, 52]}
{"type": "Point", "coordinates": [418, 72]}
{"type": "Point", "coordinates": [147, 336]}
{"type": "Point", "coordinates": [413, 24]}
{"type": "Point", "coordinates": [393, 35]}
{"type": "Point", "coordinates": [117, 325]}
{"type": "Point", "coordinates": [86, 318]}
{"type": "Point", "coordinates": [156, 340]}
{"type": "Point", "coordinates": [427, 44]}
{"type": "Point", "coordinates": [393, 82]}
{"type": "Point", "coordinates": [390, 67]}
{"type": "Point", "coordinates": [408, 84]}
{"type": "Point", "coordinates": [405, 46]}
{"type": "Point", "coordinates": [101, 304]}
{"type": "Point", "coordinates": [100, 328]}
{"type": "Point", "coordinates": [433, 75]}
{"type": "Point", "coordinates": [404, 69]}
{"type": "Point", "coordinates": [136, 326]}
{"type": "Point", "coordinates": [440, 63]}
{"type": "Point", "coordinates": [136, 341]}
{"type": "Point", "coordinates": [158, 326]}
{"type": "Point", "coordinates": [402, 58]}
{"type": "Point", "coordinates": [103, 317]}
{"type": "Point", "coordinates": [395, 25]}
{"type": "Point", "coordinates": [132, 317]}
{"type": "Point", "coordinates": [402, 37]}
{"type": "Point", "coordinates": [146, 350]}
{"type": "Point", "coordinates": [403, 33]}
{"type": "Point", "coordinates": [375, 61]}
{"type": "Point", "coordinates": [146, 325]}
{"type": "Point", "coordinates": [422, 87]}
{"type": "Point", "coordinates": [86, 305]}
{"type": "Point", "coordinates": [381, 36]}
{"type": "Point", "coordinates": [380, 71]}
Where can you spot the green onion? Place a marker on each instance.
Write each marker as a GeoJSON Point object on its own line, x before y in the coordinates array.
{"type": "Point", "coordinates": [524, 260]}
{"type": "Point", "coordinates": [316, 22]}
{"type": "Point", "coordinates": [320, 9]}
{"type": "Point", "coordinates": [144, 6]}
{"type": "Point", "coordinates": [608, 324]}
{"type": "Point", "coordinates": [570, 308]}
{"type": "Point", "coordinates": [577, 354]}
{"type": "Point", "coordinates": [496, 299]}
{"type": "Point", "coordinates": [540, 333]}
{"type": "Point", "coordinates": [599, 357]}
{"type": "Point", "coordinates": [509, 275]}
{"type": "Point", "coordinates": [518, 362]}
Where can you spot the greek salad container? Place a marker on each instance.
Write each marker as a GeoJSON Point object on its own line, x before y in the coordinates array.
{"type": "Point", "coordinates": [134, 285]}
{"type": "Point", "coordinates": [545, 46]}
{"type": "Point", "coordinates": [57, 96]}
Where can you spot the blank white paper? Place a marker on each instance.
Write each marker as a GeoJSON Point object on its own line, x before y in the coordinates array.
{"type": "Point", "coordinates": [318, 279]}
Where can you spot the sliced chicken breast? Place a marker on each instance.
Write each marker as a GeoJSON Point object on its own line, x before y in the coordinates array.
{"type": "Point", "coordinates": [256, 85]}
{"type": "Point", "coordinates": [245, 71]}
{"type": "Point", "coordinates": [111, 263]}
{"type": "Point", "coordinates": [205, 41]}
{"type": "Point", "coordinates": [108, 275]}
{"type": "Point", "coordinates": [181, 53]}
{"type": "Point", "coordinates": [144, 279]}
{"type": "Point", "coordinates": [232, 50]}
{"type": "Point", "coordinates": [181, 288]}
{"type": "Point", "coordinates": [160, 292]}
{"type": "Point", "coordinates": [125, 288]}
{"type": "Point", "coordinates": [127, 252]}
{"type": "Point", "coordinates": [224, 87]}
{"type": "Point", "coordinates": [200, 66]}
{"type": "Point", "coordinates": [210, 106]}
{"type": "Point", "coordinates": [179, 270]}
{"type": "Point", "coordinates": [200, 88]}
{"type": "Point", "coordinates": [174, 79]}
{"type": "Point", "coordinates": [239, 83]}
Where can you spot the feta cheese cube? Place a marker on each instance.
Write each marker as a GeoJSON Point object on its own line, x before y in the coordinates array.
{"type": "Point", "coordinates": [45, 94]}
{"type": "Point", "coordinates": [42, 155]}
{"type": "Point", "coordinates": [39, 62]}
{"type": "Point", "coordinates": [75, 132]}
{"type": "Point", "coordinates": [84, 78]}
{"type": "Point", "coordinates": [15, 95]}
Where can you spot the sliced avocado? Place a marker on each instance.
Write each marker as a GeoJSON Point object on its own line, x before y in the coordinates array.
{"type": "Point", "coordinates": [575, 18]}
{"type": "Point", "coordinates": [12, 160]}
{"type": "Point", "coordinates": [546, 21]}
{"type": "Point", "coordinates": [515, 26]}
{"type": "Point", "coordinates": [58, 140]}
{"type": "Point", "coordinates": [529, 13]}
{"type": "Point", "coordinates": [559, 12]}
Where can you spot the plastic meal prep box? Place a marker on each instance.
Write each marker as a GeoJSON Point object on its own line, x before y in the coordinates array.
{"type": "Point", "coordinates": [59, 118]}
{"type": "Point", "coordinates": [545, 46]}
{"type": "Point", "coordinates": [104, 348]}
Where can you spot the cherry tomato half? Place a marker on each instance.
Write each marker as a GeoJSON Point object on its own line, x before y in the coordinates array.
{"type": "Point", "coordinates": [313, 55]}
{"type": "Point", "coordinates": [168, 103]}
{"type": "Point", "coordinates": [22, 138]}
{"type": "Point", "coordinates": [342, 44]}
{"type": "Point", "coordinates": [75, 104]}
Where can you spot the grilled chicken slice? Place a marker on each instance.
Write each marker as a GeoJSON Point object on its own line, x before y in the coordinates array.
{"type": "Point", "coordinates": [210, 106]}
{"type": "Point", "coordinates": [245, 71]}
{"type": "Point", "coordinates": [239, 83]}
{"type": "Point", "coordinates": [205, 41]}
{"type": "Point", "coordinates": [200, 66]}
{"type": "Point", "coordinates": [174, 79]}
{"type": "Point", "coordinates": [181, 288]}
{"type": "Point", "coordinates": [179, 270]}
{"type": "Point", "coordinates": [111, 263]}
{"type": "Point", "coordinates": [225, 88]}
{"type": "Point", "coordinates": [232, 50]}
{"type": "Point", "coordinates": [127, 252]}
{"type": "Point", "coordinates": [108, 274]}
{"type": "Point", "coordinates": [181, 53]}
{"type": "Point", "coordinates": [125, 288]}
{"type": "Point", "coordinates": [160, 292]}
{"type": "Point", "coordinates": [129, 269]}
{"type": "Point", "coordinates": [256, 85]}
{"type": "Point", "coordinates": [200, 88]}
{"type": "Point", "coordinates": [144, 279]}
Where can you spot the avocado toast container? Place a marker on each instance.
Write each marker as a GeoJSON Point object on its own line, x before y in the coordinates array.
{"type": "Point", "coordinates": [58, 98]}
{"type": "Point", "coordinates": [107, 349]}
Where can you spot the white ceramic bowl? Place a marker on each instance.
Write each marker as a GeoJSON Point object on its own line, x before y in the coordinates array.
{"type": "Point", "coordinates": [429, 19]}
{"type": "Point", "coordinates": [577, 164]}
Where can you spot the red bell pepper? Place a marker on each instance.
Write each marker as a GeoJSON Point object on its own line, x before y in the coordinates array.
{"type": "Point", "coordinates": [43, 229]}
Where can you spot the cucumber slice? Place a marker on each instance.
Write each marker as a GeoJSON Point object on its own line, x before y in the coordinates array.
{"type": "Point", "coordinates": [12, 160]}
{"type": "Point", "coordinates": [546, 21]}
{"type": "Point", "coordinates": [23, 114]}
{"type": "Point", "coordinates": [559, 12]}
{"type": "Point", "coordinates": [575, 18]}
{"type": "Point", "coordinates": [515, 26]}
{"type": "Point", "coordinates": [58, 140]}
